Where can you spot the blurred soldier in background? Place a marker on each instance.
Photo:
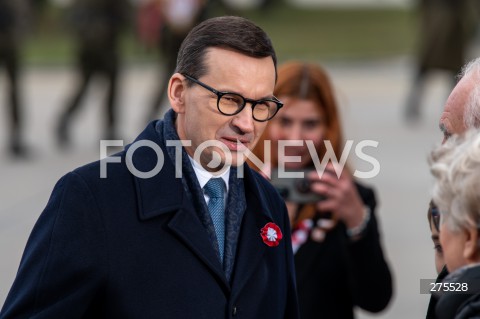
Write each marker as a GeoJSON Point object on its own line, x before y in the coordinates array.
{"type": "Point", "coordinates": [266, 5]}
{"type": "Point", "coordinates": [97, 25]}
{"type": "Point", "coordinates": [446, 28]}
{"type": "Point", "coordinates": [176, 17]}
{"type": "Point", "coordinates": [12, 17]}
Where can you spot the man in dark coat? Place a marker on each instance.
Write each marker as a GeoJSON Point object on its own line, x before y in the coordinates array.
{"type": "Point", "coordinates": [137, 235]}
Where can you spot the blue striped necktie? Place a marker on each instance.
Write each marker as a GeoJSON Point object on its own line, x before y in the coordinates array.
{"type": "Point", "coordinates": [215, 189]}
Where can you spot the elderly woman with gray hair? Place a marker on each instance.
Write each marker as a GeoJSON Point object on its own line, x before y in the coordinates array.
{"type": "Point", "coordinates": [456, 168]}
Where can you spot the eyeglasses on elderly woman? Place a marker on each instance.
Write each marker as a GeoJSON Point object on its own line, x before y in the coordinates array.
{"type": "Point", "coordinates": [435, 216]}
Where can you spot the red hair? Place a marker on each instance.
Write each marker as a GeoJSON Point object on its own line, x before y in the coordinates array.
{"type": "Point", "coordinates": [307, 81]}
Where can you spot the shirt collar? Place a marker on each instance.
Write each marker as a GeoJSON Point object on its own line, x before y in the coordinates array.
{"type": "Point", "coordinates": [204, 176]}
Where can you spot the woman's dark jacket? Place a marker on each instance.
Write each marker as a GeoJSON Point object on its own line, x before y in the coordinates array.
{"type": "Point", "coordinates": [338, 274]}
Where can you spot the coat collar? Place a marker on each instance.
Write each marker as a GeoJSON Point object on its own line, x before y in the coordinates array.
{"type": "Point", "coordinates": [161, 193]}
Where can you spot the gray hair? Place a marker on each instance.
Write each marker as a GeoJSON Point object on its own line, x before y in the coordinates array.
{"type": "Point", "coordinates": [471, 115]}
{"type": "Point", "coordinates": [455, 166]}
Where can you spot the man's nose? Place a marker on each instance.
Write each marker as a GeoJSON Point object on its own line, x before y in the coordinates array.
{"type": "Point", "coordinates": [244, 120]}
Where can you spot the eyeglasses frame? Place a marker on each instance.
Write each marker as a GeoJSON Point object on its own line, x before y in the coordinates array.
{"type": "Point", "coordinates": [435, 212]}
{"type": "Point", "coordinates": [246, 100]}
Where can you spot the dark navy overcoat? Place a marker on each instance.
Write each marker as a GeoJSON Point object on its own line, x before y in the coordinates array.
{"type": "Point", "coordinates": [131, 247]}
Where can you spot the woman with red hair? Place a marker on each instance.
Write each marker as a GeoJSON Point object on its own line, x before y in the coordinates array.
{"type": "Point", "coordinates": [338, 256]}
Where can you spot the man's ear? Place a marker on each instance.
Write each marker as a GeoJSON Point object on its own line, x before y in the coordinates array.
{"type": "Point", "coordinates": [471, 249]}
{"type": "Point", "coordinates": [176, 92]}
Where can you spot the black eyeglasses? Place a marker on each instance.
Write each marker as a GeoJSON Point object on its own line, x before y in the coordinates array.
{"type": "Point", "coordinates": [232, 103]}
{"type": "Point", "coordinates": [435, 216]}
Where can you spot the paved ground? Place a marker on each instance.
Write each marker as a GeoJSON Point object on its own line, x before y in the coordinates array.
{"type": "Point", "coordinates": [371, 95]}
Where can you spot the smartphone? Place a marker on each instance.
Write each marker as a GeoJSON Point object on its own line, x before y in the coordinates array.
{"type": "Point", "coordinates": [295, 190]}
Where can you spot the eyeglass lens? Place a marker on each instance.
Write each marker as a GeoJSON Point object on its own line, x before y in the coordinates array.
{"type": "Point", "coordinates": [232, 103]}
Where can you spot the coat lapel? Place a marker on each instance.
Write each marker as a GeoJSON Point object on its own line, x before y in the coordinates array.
{"type": "Point", "coordinates": [186, 225]}
{"type": "Point", "coordinates": [163, 193]}
{"type": "Point", "coordinates": [251, 248]}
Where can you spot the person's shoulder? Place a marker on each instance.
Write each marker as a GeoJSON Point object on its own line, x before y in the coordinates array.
{"type": "Point", "coordinates": [95, 184]}
{"type": "Point", "coordinates": [366, 192]}
{"type": "Point", "coordinates": [121, 166]}
{"type": "Point", "coordinates": [102, 177]}
{"type": "Point", "coordinates": [364, 188]}
{"type": "Point", "coordinates": [111, 166]}
{"type": "Point", "coordinates": [470, 308]}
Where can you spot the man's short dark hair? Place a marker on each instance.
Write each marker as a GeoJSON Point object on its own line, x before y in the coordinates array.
{"type": "Point", "coordinates": [228, 32]}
